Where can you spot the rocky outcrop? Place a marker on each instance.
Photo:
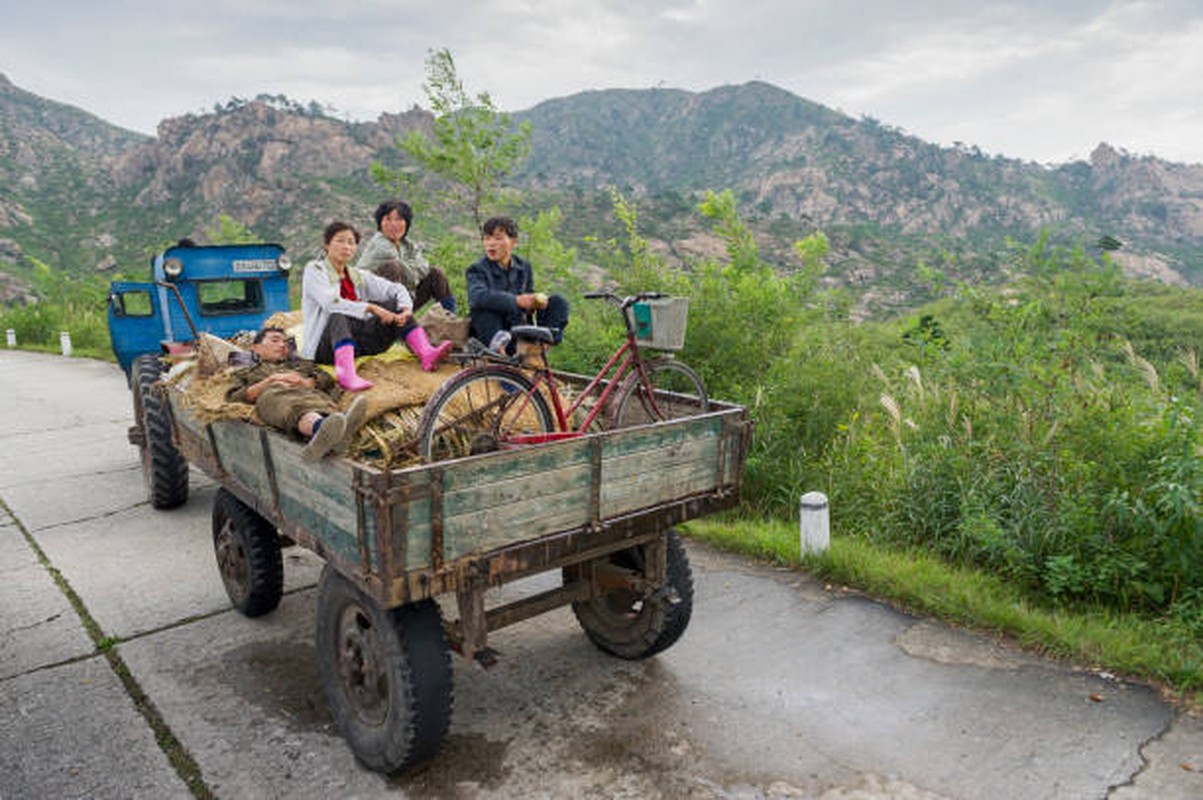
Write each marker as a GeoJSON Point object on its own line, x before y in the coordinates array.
{"type": "Point", "coordinates": [886, 199]}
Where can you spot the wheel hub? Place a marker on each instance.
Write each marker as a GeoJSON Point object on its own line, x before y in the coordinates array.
{"type": "Point", "coordinates": [361, 666]}
{"type": "Point", "coordinates": [232, 562]}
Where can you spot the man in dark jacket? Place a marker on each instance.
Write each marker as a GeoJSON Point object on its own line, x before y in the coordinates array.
{"type": "Point", "coordinates": [501, 291]}
{"type": "Point", "coordinates": [295, 395]}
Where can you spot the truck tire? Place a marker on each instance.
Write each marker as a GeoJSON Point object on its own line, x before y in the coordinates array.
{"type": "Point", "coordinates": [621, 622]}
{"type": "Point", "coordinates": [248, 556]}
{"type": "Point", "coordinates": [164, 470]}
{"type": "Point", "coordinates": [386, 674]}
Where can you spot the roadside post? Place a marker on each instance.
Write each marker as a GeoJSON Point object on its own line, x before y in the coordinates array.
{"type": "Point", "coordinates": [814, 523]}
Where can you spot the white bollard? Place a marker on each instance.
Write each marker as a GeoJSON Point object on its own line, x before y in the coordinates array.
{"type": "Point", "coordinates": [814, 523]}
{"type": "Point", "coordinates": [11, 335]}
{"type": "Point", "coordinates": [64, 340]}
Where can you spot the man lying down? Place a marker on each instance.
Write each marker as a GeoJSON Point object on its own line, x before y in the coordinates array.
{"type": "Point", "coordinates": [294, 394]}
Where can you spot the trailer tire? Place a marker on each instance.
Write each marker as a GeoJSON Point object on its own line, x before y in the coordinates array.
{"type": "Point", "coordinates": [386, 674]}
{"type": "Point", "coordinates": [248, 556]}
{"type": "Point", "coordinates": [620, 622]}
{"type": "Point", "coordinates": [164, 469]}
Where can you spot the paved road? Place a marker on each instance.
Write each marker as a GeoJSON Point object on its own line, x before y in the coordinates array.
{"type": "Point", "coordinates": [779, 689]}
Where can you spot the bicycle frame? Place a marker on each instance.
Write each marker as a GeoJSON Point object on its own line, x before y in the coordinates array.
{"type": "Point", "coordinates": [535, 389]}
{"type": "Point", "coordinates": [630, 359]}
{"type": "Point", "coordinates": [626, 357]}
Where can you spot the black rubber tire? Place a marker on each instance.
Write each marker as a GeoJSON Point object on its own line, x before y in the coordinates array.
{"type": "Point", "coordinates": [679, 393]}
{"type": "Point", "coordinates": [621, 623]}
{"type": "Point", "coordinates": [474, 410]}
{"type": "Point", "coordinates": [164, 469]}
{"type": "Point", "coordinates": [248, 556]}
{"type": "Point", "coordinates": [386, 674]}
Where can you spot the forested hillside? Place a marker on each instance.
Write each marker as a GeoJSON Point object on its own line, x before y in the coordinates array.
{"type": "Point", "coordinates": [79, 195]}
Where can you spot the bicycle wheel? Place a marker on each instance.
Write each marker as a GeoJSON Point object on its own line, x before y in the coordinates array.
{"type": "Point", "coordinates": [477, 409]}
{"type": "Point", "coordinates": [677, 392]}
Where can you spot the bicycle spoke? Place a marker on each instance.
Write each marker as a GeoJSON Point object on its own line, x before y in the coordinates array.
{"type": "Point", "coordinates": [478, 410]}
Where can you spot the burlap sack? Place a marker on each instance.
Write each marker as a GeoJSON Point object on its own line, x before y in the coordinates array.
{"type": "Point", "coordinates": [441, 326]}
{"type": "Point", "coordinates": [213, 353]}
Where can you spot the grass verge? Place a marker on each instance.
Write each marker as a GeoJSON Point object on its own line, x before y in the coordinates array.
{"type": "Point", "coordinates": [1159, 651]}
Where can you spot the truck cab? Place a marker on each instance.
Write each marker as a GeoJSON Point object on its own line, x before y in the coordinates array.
{"type": "Point", "coordinates": [221, 290]}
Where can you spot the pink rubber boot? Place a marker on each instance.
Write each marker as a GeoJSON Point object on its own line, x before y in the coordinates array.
{"type": "Point", "coordinates": [428, 354]}
{"type": "Point", "coordinates": [344, 369]}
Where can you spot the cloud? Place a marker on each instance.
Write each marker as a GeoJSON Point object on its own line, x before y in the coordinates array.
{"type": "Point", "coordinates": [1023, 78]}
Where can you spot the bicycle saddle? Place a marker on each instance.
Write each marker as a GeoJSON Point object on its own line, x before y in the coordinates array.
{"type": "Point", "coordinates": [533, 333]}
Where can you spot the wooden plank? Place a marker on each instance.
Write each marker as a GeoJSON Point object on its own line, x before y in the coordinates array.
{"type": "Point", "coordinates": [185, 418]}
{"type": "Point", "coordinates": [507, 498]}
{"type": "Point", "coordinates": [487, 503]}
{"type": "Point", "coordinates": [515, 496]}
{"type": "Point", "coordinates": [657, 464]}
{"type": "Point", "coordinates": [411, 513]}
{"type": "Point", "coordinates": [240, 449]}
{"type": "Point", "coordinates": [320, 497]}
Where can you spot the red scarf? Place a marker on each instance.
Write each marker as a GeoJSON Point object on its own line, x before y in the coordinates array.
{"type": "Point", "coordinates": [346, 288]}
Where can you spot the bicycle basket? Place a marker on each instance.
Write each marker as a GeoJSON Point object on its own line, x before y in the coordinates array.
{"type": "Point", "coordinates": [660, 324]}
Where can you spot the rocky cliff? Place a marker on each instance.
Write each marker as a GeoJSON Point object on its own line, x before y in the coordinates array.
{"type": "Point", "coordinates": [79, 194]}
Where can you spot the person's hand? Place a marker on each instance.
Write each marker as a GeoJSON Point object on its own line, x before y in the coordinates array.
{"type": "Point", "coordinates": [293, 379]}
{"type": "Point", "coordinates": [536, 301]}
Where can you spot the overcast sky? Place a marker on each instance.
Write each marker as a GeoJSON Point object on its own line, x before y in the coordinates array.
{"type": "Point", "coordinates": [1044, 81]}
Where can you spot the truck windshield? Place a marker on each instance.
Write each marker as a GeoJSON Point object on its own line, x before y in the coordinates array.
{"type": "Point", "coordinates": [229, 297]}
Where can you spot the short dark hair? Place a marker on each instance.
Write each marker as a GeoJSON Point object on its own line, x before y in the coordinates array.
{"type": "Point", "coordinates": [262, 333]}
{"type": "Point", "coordinates": [337, 227]}
{"type": "Point", "coordinates": [401, 207]}
{"type": "Point", "coordinates": [505, 223]}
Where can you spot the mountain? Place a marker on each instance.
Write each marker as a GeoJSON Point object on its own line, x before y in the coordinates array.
{"type": "Point", "coordinates": [79, 194]}
{"type": "Point", "coordinates": [791, 160]}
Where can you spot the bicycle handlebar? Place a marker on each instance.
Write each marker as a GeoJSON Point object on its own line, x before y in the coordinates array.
{"type": "Point", "coordinates": [623, 302]}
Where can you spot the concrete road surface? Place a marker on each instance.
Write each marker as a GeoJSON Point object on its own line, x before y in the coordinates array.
{"type": "Point", "coordinates": [123, 673]}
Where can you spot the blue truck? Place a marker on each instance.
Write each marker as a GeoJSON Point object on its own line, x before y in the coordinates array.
{"type": "Point", "coordinates": [221, 290]}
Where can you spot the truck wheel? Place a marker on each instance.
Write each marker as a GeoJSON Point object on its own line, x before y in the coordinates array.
{"type": "Point", "coordinates": [163, 468]}
{"type": "Point", "coordinates": [248, 556]}
{"type": "Point", "coordinates": [625, 624]}
{"type": "Point", "coordinates": [386, 674]}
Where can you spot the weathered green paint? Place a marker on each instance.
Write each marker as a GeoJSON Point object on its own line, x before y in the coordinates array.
{"type": "Point", "coordinates": [486, 502]}
{"type": "Point", "coordinates": [320, 497]}
{"type": "Point", "coordinates": [240, 450]}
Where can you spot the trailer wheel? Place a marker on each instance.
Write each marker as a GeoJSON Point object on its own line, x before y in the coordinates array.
{"type": "Point", "coordinates": [248, 556]}
{"type": "Point", "coordinates": [163, 468]}
{"type": "Point", "coordinates": [622, 622]}
{"type": "Point", "coordinates": [386, 674]}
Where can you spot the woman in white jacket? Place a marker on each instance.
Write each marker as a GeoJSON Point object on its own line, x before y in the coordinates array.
{"type": "Point", "coordinates": [348, 311]}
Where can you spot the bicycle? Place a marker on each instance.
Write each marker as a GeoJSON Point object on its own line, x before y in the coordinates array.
{"type": "Point", "coordinates": [505, 401]}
